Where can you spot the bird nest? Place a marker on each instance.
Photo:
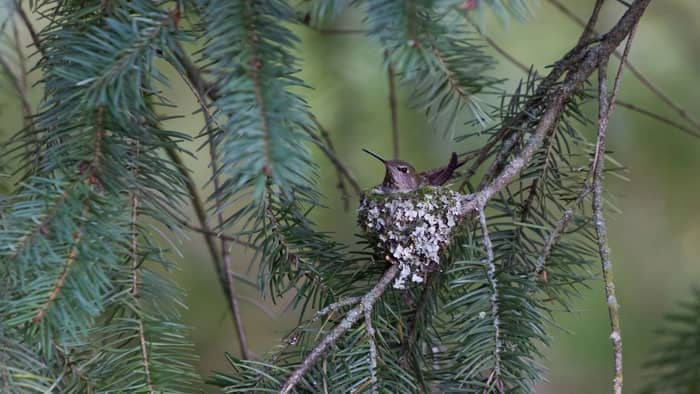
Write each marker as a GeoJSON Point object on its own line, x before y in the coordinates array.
{"type": "Point", "coordinates": [411, 229]}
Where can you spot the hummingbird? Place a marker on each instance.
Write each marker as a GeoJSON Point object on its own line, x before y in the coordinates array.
{"type": "Point", "coordinates": [402, 177]}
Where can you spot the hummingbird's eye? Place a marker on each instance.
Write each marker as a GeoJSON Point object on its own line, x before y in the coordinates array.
{"type": "Point", "coordinates": [403, 169]}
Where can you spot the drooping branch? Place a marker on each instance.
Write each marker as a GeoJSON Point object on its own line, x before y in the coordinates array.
{"type": "Point", "coordinates": [194, 76]}
{"type": "Point", "coordinates": [222, 261]}
{"type": "Point", "coordinates": [225, 254]}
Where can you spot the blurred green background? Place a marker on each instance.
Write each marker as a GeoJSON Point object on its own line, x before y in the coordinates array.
{"type": "Point", "coordinates": [655, 240]}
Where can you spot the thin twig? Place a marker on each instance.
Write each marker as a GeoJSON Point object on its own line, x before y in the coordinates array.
{"type": "Point", "coordinates": [368, 300]}
{"type": "Point", "coordinates": [552, 240]}
{"type": "Point", "coordinates": [601, 232]}
{"type": "Point", "coordinates": [589, 27]}
{"type": "Point", "coordinates": [373, 353]}
{"type": "Point", "coordinates": [682, 112]}
{"type": "Point", "coordinates": [495, 315]}
{"type": "Point", "coordinates": [61, 281]}
{"type": "Point", "coordinates": [225, 254]}
{"type": "Point", "coordinates": [199, 210]}
{"type": "Point", "coordinates": [136, 274]}
{"type": "Point", "coordinates": [330, 152]}
{"type": "Point", "coordinates": [392, 105]}
{"type": "Point", "coordinates": [605, 107]}
{"type": "Point", "coordinates": [496, 47]}
{"type": "Point", "coordinates": [325, 143]}
{"type": "Point", "coordinates": [210, 234]}
{"type": "Point", "coordinates": [30, 28]}
{"type": "Point", "coordinates": [198, 87]}
{"type": "Point", "coordinates": [335, 306]}
{"type": "Point", "coordinates": [660, 118]}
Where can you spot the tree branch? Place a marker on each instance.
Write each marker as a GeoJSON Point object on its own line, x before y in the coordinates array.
{"type": "Point", "coordinates": [136, 275]}
{"type": "Point", "coordinates": [682, 112]}
{"type": "Point", "coordinates": [367, 302]}
{"type": "Point", "coordinates": [194, 76]}
{"type": "Point", "coordinates": [577, 75]}
{"type": "Point", "coordinates": [624, 104]}
{"type": "Point", "coordinates": [53, 294]}
{"type": "Point", "coordinates": [373, 353]}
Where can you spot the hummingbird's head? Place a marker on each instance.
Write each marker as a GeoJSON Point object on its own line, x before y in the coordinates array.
{"type": "Point", "coordinates": [400, 175]}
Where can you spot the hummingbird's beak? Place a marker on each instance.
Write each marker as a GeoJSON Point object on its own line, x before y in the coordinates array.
{"type": "Point", "coordinates": [376, 156]}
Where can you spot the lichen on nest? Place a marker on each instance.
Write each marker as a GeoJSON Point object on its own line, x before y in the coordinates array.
{"type": "Point", "coordinates": [411, 229]}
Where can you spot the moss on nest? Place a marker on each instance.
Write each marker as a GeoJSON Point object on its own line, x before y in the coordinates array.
{"type": "Point", "coordinates": [411, 229]}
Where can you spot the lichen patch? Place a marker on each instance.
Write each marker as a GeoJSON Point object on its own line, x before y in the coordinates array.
{"type": "Point", "coordinates": [411, 229]}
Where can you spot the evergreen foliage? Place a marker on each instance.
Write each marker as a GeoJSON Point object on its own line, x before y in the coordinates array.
{"type": "Point", "coordinates": [674, 365]}
{"type": "Point", "coordinates": [77, 276]}
{"type": "Point", "coordinates": [86, 304]}
{"type": "Point", "coordinates": [428, 44]}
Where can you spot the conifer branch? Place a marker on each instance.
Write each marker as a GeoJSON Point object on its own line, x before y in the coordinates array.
{"type": "Point", "coordinates": [144, 355]}
{"type": "Point", "coordinates": [254, 70]}
{"type": "Point", "coordinates": [225, 254]}
{"type": "Point", "coordinates": [194, 76]}
{"type": "Point", "coordinates": [135, 274]}
{"type": "Point", "coordinates": [624, 104]}
{"type": "Point", "coordinates": [553, 240]}
{"type": "Point", "coordinates": [352, 317]}
{"type": "Point", "coordinates": [643, 79]}
{"type": "Point", "coordinates": [77, 237]}
{"type": "Point", "coordinates": [578, 73]}
{"type": "Point", "coordinates": [223, 267]}
{"type": "Point", "coordinates": [61, 280]}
